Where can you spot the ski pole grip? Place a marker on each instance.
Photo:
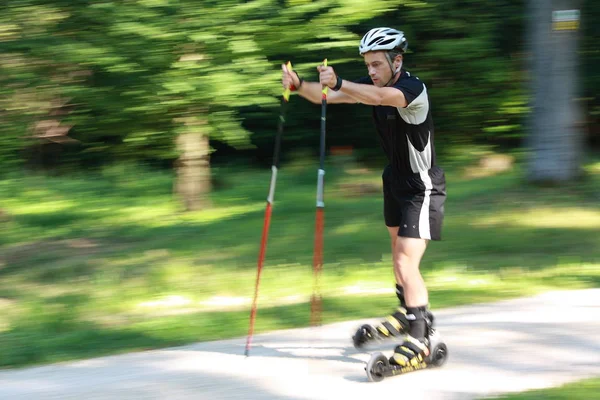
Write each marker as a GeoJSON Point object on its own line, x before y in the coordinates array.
{"type": "Point", "coordinates": [324, 91]}
{"type": "Point", "coordinates": [286, 92]}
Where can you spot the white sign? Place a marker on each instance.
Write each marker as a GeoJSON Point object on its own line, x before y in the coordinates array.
{"type": "Point", "coordinates": [565, 20]}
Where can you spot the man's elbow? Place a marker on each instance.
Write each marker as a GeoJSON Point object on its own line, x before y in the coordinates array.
{"type": "Point", "coordinates": [378, 101]}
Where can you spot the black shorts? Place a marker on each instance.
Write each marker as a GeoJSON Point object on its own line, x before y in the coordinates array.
{"type": "Point", "coordinates": [415, 203]}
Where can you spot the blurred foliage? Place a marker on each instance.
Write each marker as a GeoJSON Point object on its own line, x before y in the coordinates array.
{"type": "Point", "coordinates": [122, 79]}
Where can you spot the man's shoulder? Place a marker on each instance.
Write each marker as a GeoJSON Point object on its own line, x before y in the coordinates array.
{"type": "Point", "coordinates": [410, 85]}
{"type": "Point", "coordinates": [409, 79]}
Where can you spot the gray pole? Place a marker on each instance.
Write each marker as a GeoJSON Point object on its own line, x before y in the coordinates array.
{"type": "Point", "coordinates": [555, 138]}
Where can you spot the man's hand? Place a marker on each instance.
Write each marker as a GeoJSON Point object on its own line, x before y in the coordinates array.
{"type": "Point", "coordinates": [289, 78]}
{"type": "Point", "coordinates": [327, 76]}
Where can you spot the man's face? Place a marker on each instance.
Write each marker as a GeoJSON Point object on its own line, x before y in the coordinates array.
{"type": "Point", "coordinates": [379, 67]}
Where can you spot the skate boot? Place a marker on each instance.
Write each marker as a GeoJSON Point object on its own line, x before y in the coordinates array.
{"type": "Point", "coordinates": [416, 349]}
{"type": "Point", "coordinates": [411, 354]}
{"type": "Point", "coordinates": [421, 348]}
{"type": "Point", "coordinates": [427, 314]}
{"type": "Point", "coordinates": [393, 326]}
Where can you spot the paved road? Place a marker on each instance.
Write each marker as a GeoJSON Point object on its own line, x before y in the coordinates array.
{"type": "Point", "coordinates": [495, 348]}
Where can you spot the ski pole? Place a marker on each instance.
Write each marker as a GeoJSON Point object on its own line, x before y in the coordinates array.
{"type": "Point", "coordinates": [315, 308]}
{"type": "Point", "coordinates": [267, 220]}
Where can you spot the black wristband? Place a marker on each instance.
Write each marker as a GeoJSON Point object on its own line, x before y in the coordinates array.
{"type": "Point", "coordinates": [300, 80]}
{"type": "Point", "coordinates": [338, 84]}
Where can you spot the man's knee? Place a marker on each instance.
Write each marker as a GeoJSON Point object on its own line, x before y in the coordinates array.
{"type": "Point", "coordinates": [409, 252]}
{"type": "Point", "coordinates": [410, 248]}
{"type": "Point", "coordinates": [409, 273]}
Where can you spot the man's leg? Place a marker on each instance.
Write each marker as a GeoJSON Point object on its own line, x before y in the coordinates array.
{"type": "Point", "coordinates": [422, 216]}
{"type": "Point", "coordinates": [392, 212]}
{"type": "Point", "coordinates": [393, 325]}
{"type": "Point", "coordinates": [393, 231]}
{"type": "Point", "coordinates": [407, 258]}
{"type": "Point", "coordinates": [408, 254]}
{"type": "Point", "coordinates": [396, 324]}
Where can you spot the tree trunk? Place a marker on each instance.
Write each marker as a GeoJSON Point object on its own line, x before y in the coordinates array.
{"type": "Point", "coordinates": [193, 169]}
{"type": "Point", "coordinates": [555, 137]}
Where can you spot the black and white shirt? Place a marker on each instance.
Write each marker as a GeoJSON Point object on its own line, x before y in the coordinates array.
{"type": "Point", "coordinates": [407, 133]}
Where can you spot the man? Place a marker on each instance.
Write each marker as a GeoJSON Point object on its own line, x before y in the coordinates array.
{"type": "Point", "coordinates": [413, 186]}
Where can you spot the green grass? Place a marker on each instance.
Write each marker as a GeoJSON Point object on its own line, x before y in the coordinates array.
{"type": "Point", "coordinates": [105, 263]}
{"type": "Point", "coordinates": [586, 389]}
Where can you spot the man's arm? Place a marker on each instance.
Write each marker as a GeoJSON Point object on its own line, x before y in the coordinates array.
{"type": "Point", "coordinates": [363, 93]}
{"type": "Point", "coordinates": [373, 95]}
{"type": "Point", "coordinates": [311, 91]}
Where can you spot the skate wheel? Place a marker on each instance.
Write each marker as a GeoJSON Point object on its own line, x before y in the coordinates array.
{"type": "Point", "coordinates": [439, 355]}
{"type": "Point", "coordinates": [358, 344]}
{"type": "Point", "coordinates": [376, 367]}
{"type": "Point", "coordinates": [361, 336]}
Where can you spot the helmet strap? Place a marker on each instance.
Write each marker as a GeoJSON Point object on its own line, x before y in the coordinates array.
{"type": "Point", "coordinates": [394, 72]}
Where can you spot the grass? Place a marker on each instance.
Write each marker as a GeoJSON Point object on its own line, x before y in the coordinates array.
{"type": "Point", "coordinates": [105, 263]}
{"type": "Point", "coordinates": [585, 389]}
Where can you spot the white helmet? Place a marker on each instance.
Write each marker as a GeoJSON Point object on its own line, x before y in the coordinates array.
{"type": "Point", "coordinates": [383, 39]}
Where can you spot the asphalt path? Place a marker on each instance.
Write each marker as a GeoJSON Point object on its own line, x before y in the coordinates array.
{"type": "Point", "coordinates": [495, 348]}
